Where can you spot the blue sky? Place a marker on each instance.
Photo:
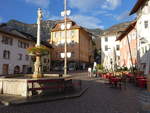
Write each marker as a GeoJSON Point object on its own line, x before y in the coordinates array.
{"type": "Point", "coordinates": [87, 13]}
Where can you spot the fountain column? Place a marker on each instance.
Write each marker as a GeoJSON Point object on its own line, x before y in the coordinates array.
{"type": "Point", "coordinates": [37, 64]}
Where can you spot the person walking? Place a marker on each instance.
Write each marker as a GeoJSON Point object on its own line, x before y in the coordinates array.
{"type": "Point", "coordinates": [95, 69]}
{"type": "Point", "coordinates": [90, 72]}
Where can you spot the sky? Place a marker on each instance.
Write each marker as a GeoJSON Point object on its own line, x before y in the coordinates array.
{"type": "Point", "coordinates": [87, 13]}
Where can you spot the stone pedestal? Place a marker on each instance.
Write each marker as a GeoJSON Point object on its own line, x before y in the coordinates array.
{"type": "Point", "coordinates": [37, 68]}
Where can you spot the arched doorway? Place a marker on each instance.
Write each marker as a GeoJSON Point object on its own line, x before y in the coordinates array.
{"type": "Point", "coordinates": [16, 70]}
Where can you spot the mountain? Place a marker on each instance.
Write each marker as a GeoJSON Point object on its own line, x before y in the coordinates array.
{"type": "Point", "coordinates": [96, 31]}
{"type": "Point", "coordinates": [116, 28]}
{"type": "Point", "coordinates": [46, 27]}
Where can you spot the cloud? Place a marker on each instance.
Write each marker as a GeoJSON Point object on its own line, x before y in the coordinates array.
{"type": "Point", "coordinates": [82, 20]}
{"type": "Point", "coordinates": [87, 21]}
{"type": "Point", "coordinates": [120, 17]}
{"type": "Point", "coordinates": [55, 18]}
{"type": "Point", "coordinates": [40, 3]}
{"type": "Point", "coordinates": [100, 12]}
{"type": "Point", "coordinates": [111, 4]}
{"type": "Point", "coordinates": [86, 5]}
{"type": "Point", "coordinates": [47, 15]}
{"type": "Point", "coordinates": [83, 5]}
{"type": "Point", "coordinates": [124, 15]}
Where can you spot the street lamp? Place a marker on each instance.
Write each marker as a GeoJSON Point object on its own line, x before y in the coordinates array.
{"type": "Point", "coordinates": [64, 27]}
{"type": "Point", "coordinates": [62, 55]}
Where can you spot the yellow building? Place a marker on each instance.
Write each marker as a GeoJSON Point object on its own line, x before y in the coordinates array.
{"type": "Point", "coordinates": [79, 44]}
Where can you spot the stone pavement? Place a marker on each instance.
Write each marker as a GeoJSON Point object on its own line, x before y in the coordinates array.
{"type": "Point", "coordinates": [99, 98]}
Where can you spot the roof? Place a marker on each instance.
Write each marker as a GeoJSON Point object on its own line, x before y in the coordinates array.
{"type": "Point", "coordinates": [128, 29]}
{"type": "Point", "coordinates": [22, 35]}
{"type": "Point", "coordinates": [73, 26]}
{"type": "Point", "coordinates": [138, 4]}
{"type": "Point", "coordinates": [58, 28]}
{"type": "Point", "coordinates": [116, 28]}
{"type": "Point", "coordinates": [14, 33]}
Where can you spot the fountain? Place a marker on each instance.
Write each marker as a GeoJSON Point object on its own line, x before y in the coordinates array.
{"type": "Point", "coordinates": [25, 85]}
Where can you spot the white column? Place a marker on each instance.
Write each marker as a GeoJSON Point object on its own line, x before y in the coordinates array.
{"type": "Point", "coordinates": [39, 26]}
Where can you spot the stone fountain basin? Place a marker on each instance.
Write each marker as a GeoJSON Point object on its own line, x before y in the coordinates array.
{"type": "Point", "coordinates": [18, 85]}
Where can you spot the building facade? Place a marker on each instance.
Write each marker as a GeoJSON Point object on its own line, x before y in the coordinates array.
{"type": "Point", "coordinates": [14, 58]}
{"type": "Point", "coordinates": [110, 48]}
{"type": "Point", "coordinates": [142, 9]}
{"type": "Point", "coordinates": [128, 47]}
{"type": "Point", "coordinates": [79, 45]}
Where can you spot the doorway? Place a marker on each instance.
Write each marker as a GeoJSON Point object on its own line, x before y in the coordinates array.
{"type": "Point", "coordinates": [5, 68]}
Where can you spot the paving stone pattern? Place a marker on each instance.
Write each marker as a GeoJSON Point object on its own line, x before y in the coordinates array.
{"type": "Point", "coordinates": [99, 98]}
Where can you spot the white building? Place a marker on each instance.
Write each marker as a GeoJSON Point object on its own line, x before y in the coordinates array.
{"type": "Point", "coordinates": [110, 48]}
{"type": "Point", "coordinates": [142, 9]}
{"type": "Point", "coordinates": [13, 54]}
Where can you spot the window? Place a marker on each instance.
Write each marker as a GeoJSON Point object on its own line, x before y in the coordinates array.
{"type": "Point", "coordinates": [27, 45]}
{"type": "Point", "coordinates": [72, 34]}
{"type": "Point", "coordinates": [72, 54]}
{"type": "Point", "coordinates": [146, 24]}
{"type": "Point", "coordinates": [45, 60]}
{"type": "Point", "coordinates": [22, 44]}
{"type": "Point", "coordinates": [106, 48]}
{"type": "Point", "coordinates": [106, 39]}
{"type": "Point", "coordinates": [69, 34]}
{"type": "Point", "coordinates": [117, 47]}
{"type": "Point", "coordinates": [142, 50]}
{"type": "Point", "coordinates": [57, 34]}
{"type": "Point", "coordinates": [27, 57]}
{"type": "Point", "coordinates": [19, 56]}
{"type": "Point", "coordinates": [7, 40]}
{"type": "Point", "coordinates": [146, 49]}
{"type": "Point", "coordinates": [6, 54]}
{"type": "Point", "coordinates": [54, 34]}
{"type": "Point", "coordinates": [63, 34]}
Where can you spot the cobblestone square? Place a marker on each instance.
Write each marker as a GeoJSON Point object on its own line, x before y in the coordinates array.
{"type": "Point", "coordinates": [99, 98]}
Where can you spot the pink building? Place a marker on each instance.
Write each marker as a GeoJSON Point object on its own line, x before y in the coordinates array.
{"type": "Point", "coordinates": [128, 46]}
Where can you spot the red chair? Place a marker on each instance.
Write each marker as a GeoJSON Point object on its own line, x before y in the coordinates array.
{"type": "Point", "coordinates": [142, 83]}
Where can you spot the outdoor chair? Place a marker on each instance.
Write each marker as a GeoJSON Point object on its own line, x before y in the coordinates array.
{"type": "Point", "coordinates": [114, 81]}
{"type": "Point", "coordinates": [123, 82]}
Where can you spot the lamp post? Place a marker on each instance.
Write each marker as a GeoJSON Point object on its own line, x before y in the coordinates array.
{"type": "Point", "coordinates": [64, 27]}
